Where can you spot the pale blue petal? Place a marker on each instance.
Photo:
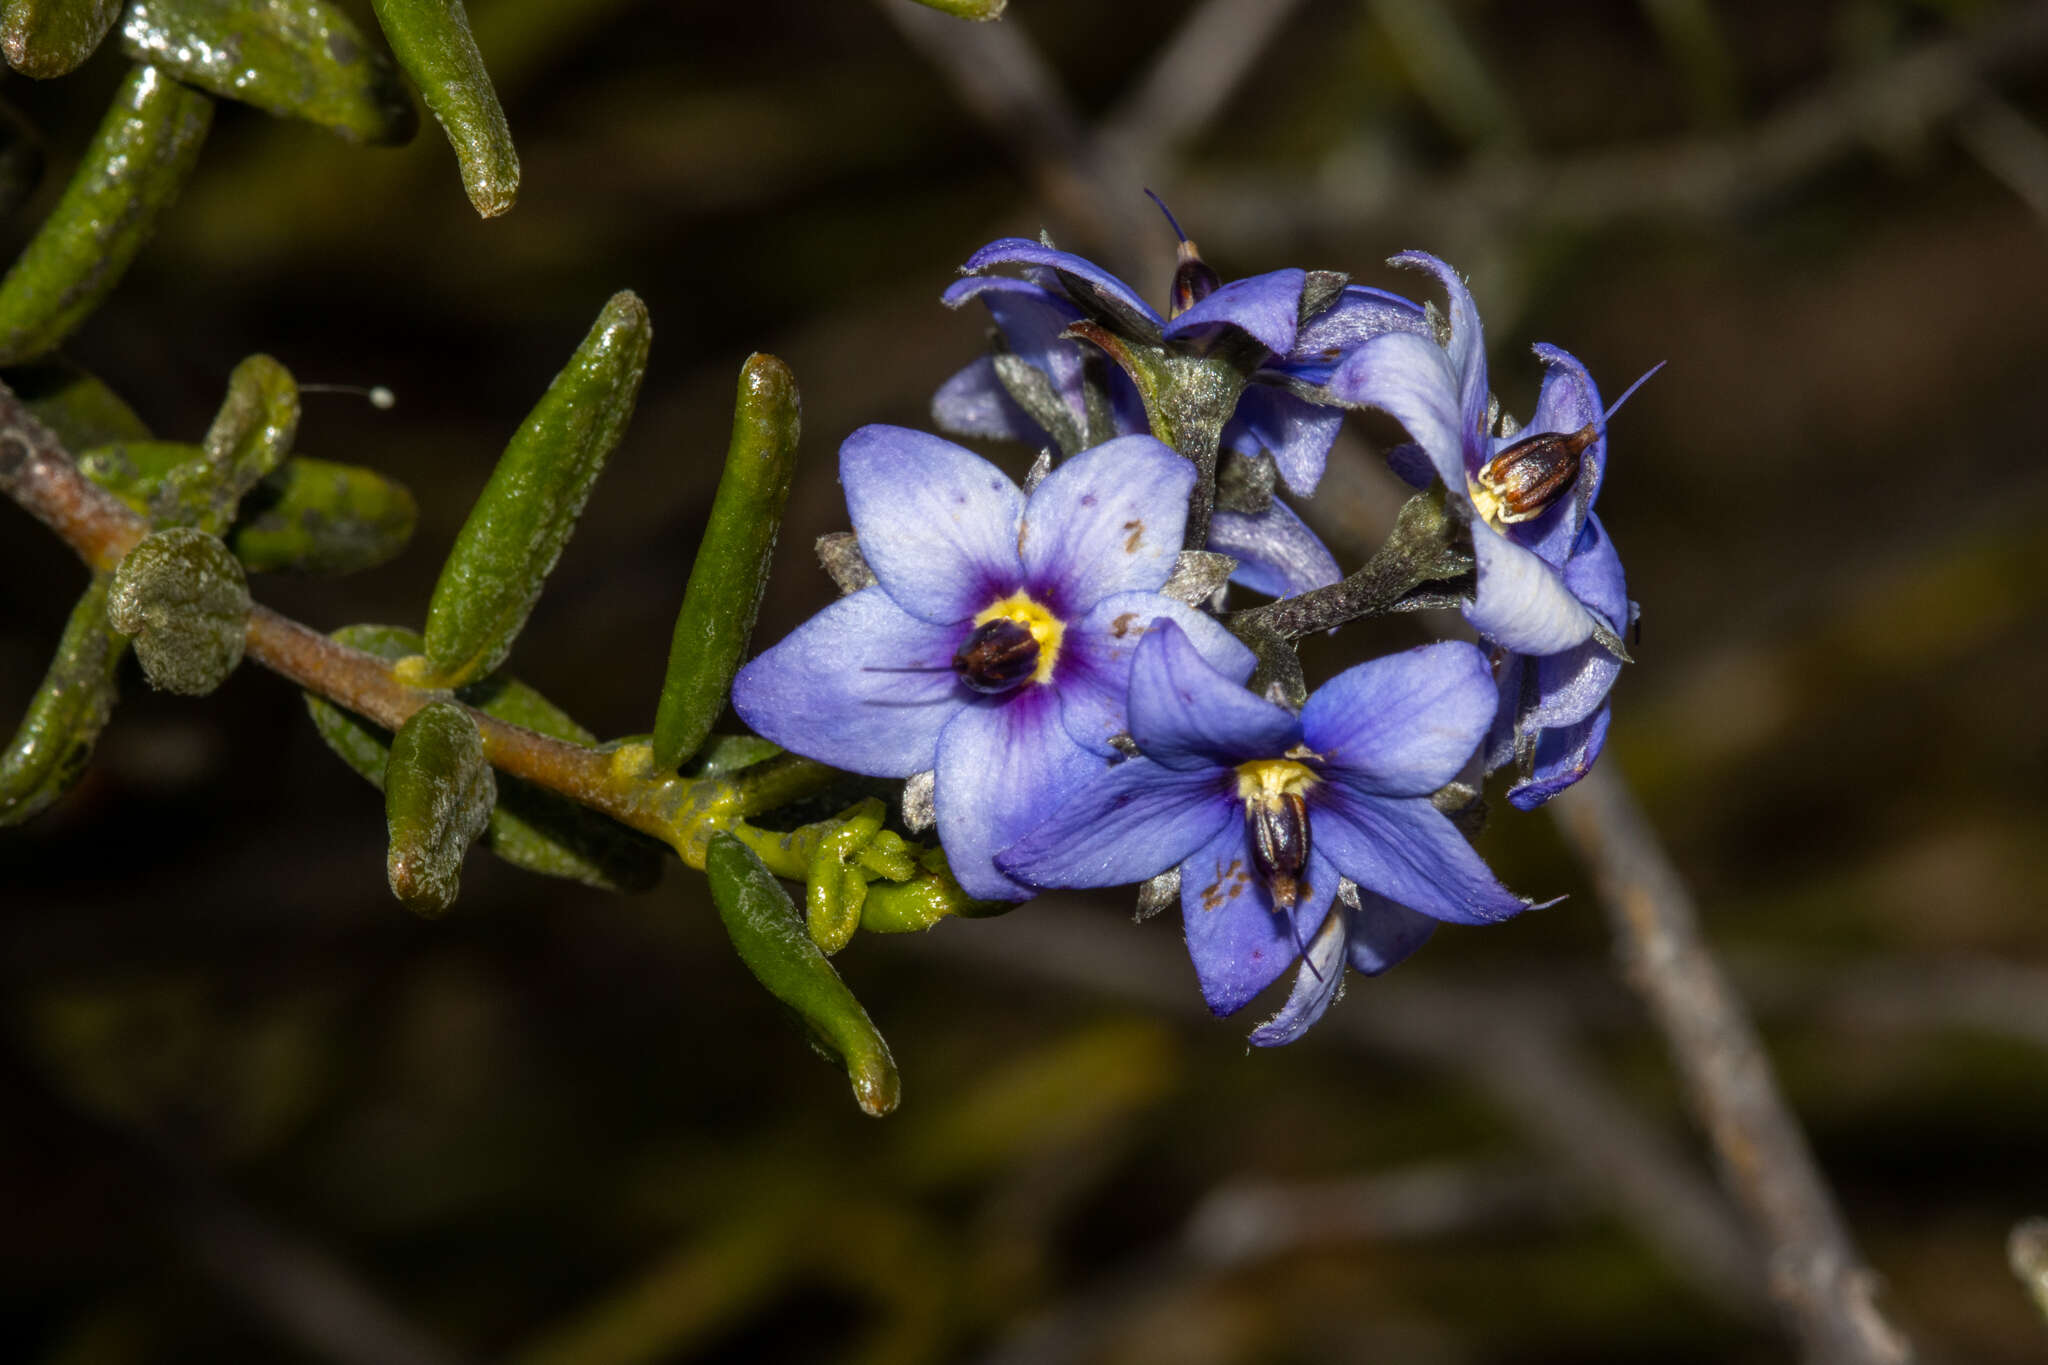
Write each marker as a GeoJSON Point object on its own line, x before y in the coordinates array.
{"type": "Point", "coordinates": [1109, 520]}
{"type": "Point", "coordinates": [1297, 433]}
{"type": "Point", "coordinates": [1024, 251]}
{"type": "Point", "coordinates": [1384, 934]}
{"type": "Point", "coordinates": [1319, 977]}
{"type": "Point", "coordinates": [862, 686]}
{"type": "Point", "coordinates": [1275, 551]}
{"type": "Point", "coordinates": [1466, 350]}
{"type": "Point", "coordinates": [1032, 322]}
{"type": "Point", "coordinates": [1094, 669]}
{"type": "Point", "coordinates": [1404, 724]}
{"type": "Point", "coordinates": [1266, 306]}
{"type": "Point", "coordinates": [1004, 764]}
{"type": "Point", "coordinates": [1359, 315]}
{"type": "Point", "coordinates": [1132, 822]}
{"type": "Point", "coordinates": [1409, 852]}
{"type": "Point", "coordinates": [1521, 602]}
{"type": "Point", "coordinates": [1563, 756]}
{"type": "Point", "coordinates": [937, 524]}
{"type": "Point", "coordinates": [1411, 379]}
{"type": "Point", "coordinates": [1187, 715]}
{"type": "Point", "coordinates": [975, 403]}
{"type": "Point", "coordinates": [1238, 944]}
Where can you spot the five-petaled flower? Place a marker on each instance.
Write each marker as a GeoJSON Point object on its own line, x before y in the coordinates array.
{"type": "Point", "coordinates": [1550, 593]}
{"type": "Point", "coordinates": [1282, 411]}
{"type": "Point", "coordinates": [1264, 810]}
{"type": "Point", "coordinates": [997, 645]}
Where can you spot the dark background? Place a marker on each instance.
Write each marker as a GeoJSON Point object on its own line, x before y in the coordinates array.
{"type": "Point", "coordinates": [251, 1109]}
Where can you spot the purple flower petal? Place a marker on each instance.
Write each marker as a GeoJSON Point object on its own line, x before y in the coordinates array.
{"type": "Point", "coordinates": [1522, 603]}
{"type": "Point", "coordinates": [1031, 321]}
{"type": "Point", "coordinates": [1409, 852]}
{"type": "Point", "coordinates": [1024, 251]}
{"type": "Point", "coordinates": [1411, 379]}
{"type": "Point", "coordinates": [1572, 685]}
{"type": "Point", "coordinates": [975, 403]}
{"type": "Point", "coordinates": [1266, 306]}
{"type": "Point", "coordinates": [1238, 944]}
{"type": "Point", "coordinates": [1296, 432]}
{"type": "Point", "coordinates": [1275, 551]}
{"type": "Point", "coordinates": [937, 524]}
{"type": "Point", "coordinates": [1318, 979]}
{"type": "Point", "coordinates": [1402, 725]}
{"type": "Point", "coordinates": [862, 686]}
{"type": "Point", "coordinates": [1563, 756]}
{"type": "Point", "coordinates": [1593, 573]}
{"type": "Point", "coordinates": [1187, 716]}
{"type": "Point", "coordinates": [1133, 822]}
{"type": "Point", "coordinates": [1004, 765]}
{"type": "Point", "coordinates": [1466, 351]}
{"type": "Point", "coordinates": [1109, 520]}
{"type": "Point", "coordinates": [1384, 934]}
{"type": "Point", "coordinates": [1358, 315]}
{"type": "Point", "coordinates": [1094, 671]}
{"type": "Point", "coordinates": [1410, 464]}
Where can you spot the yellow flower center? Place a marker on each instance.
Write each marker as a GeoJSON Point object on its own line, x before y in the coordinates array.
{"type": "Point", "coordinates": [1045, 628]}
{"type": "Point", "coordinates": [1265, 781]}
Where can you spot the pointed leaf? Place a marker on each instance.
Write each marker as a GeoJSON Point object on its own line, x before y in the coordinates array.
{"type": "Point", "coordinates": [68, 711]}
{"type": "Point", "coordinates": [250, 437]}
{"type": "Point", "coordinates": [317, 517]}
{"type": "Point", "coordinates": [769, 936]}
{"type": "Point", "coordinates": [294, 58]}
{"type": "Point", "coordinates": [139, 160]}
{"type": "Point", "coordinates": [524, 516]}
{"type": "Point", "coordinates": [432, 41]}
{"type": "Point", "coordinates": [731, 570]}
{"type": "Point", "coordinates": [182, 599]}
{"type": "Point", "coordinates": [438, 794]}
{"type": "Point", "coordinates": [45, 38]}
{"type": "Point", "coordinates": [979, 10]}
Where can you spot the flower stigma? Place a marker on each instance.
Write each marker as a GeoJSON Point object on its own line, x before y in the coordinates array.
{"type": "Point", "coordinates": [1276, 823]}
{"type": "Point", "coordinates": [1014, 641]}
{"type": "Point", "coordinates": [1523, 481]}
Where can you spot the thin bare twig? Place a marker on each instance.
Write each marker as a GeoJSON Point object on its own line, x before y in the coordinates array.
{"type": "Point", "coordinates": [1816, 1274]}
{"type": "Point", "coordinates": [1191, 79]}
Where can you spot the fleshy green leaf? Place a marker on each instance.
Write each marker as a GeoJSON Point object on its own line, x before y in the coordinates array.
{"type": "Point", "coordinates": [68, 711]}
{"type": "Point", "coordinates": [45, 38]}
{"type": "Point", "coordinates": [180, 596]}
{"type": "Point", "coordinates": [300, 59]}
{"type": "Point", "coordinates": [980, 10]}
{"type": "Point", "coordinates": [769, 936]}
{"type": "Point", "coordinates": [250, 437]}
{"type": "Point", "coordinates": [531, 827]}
{"type": "Point", "coordinates": [139, 160]}
{"type": "Point", "coordinates": [731, 571]}
{"type": "Point", "coordinates": [438, 795]}
{"type": "Point", "coordinates": [524, 516]}
{"type": "Point", "coordinates": [80, 410]}
{"type": "Point", "coordinates": [432, 41]}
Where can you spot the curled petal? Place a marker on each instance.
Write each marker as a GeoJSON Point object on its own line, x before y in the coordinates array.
{"type": "Point", "coordinates": [1383, 934]}
{"type": "Point", "coordinates": [1359, 315]}
{"type": "Point", "coordinates": [1522, 603]}
{"type": "Point", "coordinates": [1268, 307]}
{"type": "Point", "coordinates": [862, 685]}
{"type": "Point", "coordinates": [937, 524]}
{"type": "Point", "coordinates": [975, 403]}
{"type": "Point", "coordinates": [1275, 551]}
{"type": "Point", "coordinates": [1296, 432]}
{"type": "Point", "coordinates": [1411, 379]}
{"type": "Point", "coordinates": [1031, 320]}
{"type": "Point", "coordinates": [1593, 573]}
{"type": "Point", "coordinates": [1319, 979]}
{"type": "Point", "coordinates": [1563, 756]}
{"type": "Point", "coordinates": [1133, 822]}
{"type": "Point", "coordinates": [1569, 400]}
{"type": "Point", "coordinates": [1238, 944]}
{"type": "Point", "coordinates": [1094, 671]}
{"type": "Point", "coordinates": [1402, 725]}
{"type": "Point", "coordinates": [1467, 352]}
{"type": "Point", "coordinates": [1024, 251]}
{"type": "Point", "coordinates": [1409, 852]}
{"type": "Point", "coordinates": [1004, 764]}
{"type": "Point", "coordinates": [1188, 716]}
{"type": "Point", "coordinates": [1109, 520]}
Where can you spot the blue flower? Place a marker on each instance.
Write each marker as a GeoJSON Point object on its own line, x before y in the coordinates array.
{"type": "Point", "coordinates": [996, 647]}
{"type": "Point", "coordinates": [1550, 591]}
{"type": "Point", "coordinates": [1263, 811]}
{"type": "Point", "coordinates": [1280, 411]}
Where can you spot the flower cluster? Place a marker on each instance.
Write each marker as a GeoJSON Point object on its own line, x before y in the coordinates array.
{"type": "Point", "coordinates": [1054, 660]}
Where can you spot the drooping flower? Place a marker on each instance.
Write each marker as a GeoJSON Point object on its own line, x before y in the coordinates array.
{"type": "Point", "coordinates": [1264, 811]}
{"type": "Point", "coordinates": [1281, 412]}
{"type": "Point", "coordinates": [996, 647]}
{"type": "Point", "coordinates": [1550, 595]}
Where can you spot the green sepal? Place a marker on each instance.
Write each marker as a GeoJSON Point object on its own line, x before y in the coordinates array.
{"type": "Point", "coordinates": [731, 570]}
{"type": "Point", "coordinates": [438, 796]}
{"type": "Point", "coordinates": [78, 409]}
{"type": "Point", "coordinates": [979, 10]}
{"type": "Point", "coordinates": [531, 827]}
{"type": "Point", "coordinates": [769, 936]}
{"type": "Point", "coordinates": [300, 59]}
{"type": "Point", "coordinates": [21, 159]}
{"type": "Point", "coordinates": [45, 38]}
{"type": "Point", "coordinates": [250, 437]}
{"type": "Point", "coordinates": [182, 600]}
{"type": "Point", "coordinates": [68, 711]}
{"type": "Point", "coordinates": [432, 41]}
{"type": "Point", "coordinates": [307, 516]}
{"type": "Point", "coordinates": [525, 515]}
{"type": "Point", "coordinates": [139, 160]}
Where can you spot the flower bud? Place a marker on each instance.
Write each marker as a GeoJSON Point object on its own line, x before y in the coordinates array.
{"type": "Point", "coordinates": [1530, 475]}
{"type": "Point", "coordinates": [1193, 280]}
{"type": "Point", "coordinates": [1000, 654]}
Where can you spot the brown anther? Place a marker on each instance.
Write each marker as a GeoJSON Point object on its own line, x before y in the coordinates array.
{"type": "Point", "coordinates": [1532, 474]}
{"type": "Point", "coordinates": [1277, 825]}
{"type": "Point", "coordinates": [998, 655]}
